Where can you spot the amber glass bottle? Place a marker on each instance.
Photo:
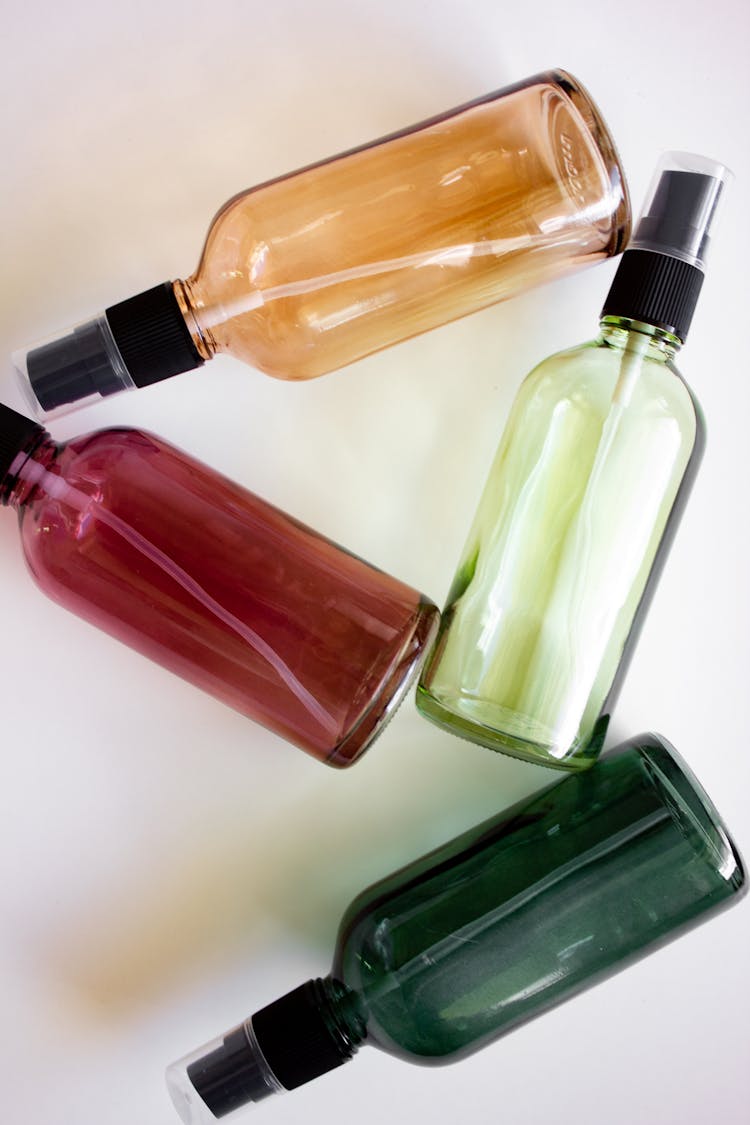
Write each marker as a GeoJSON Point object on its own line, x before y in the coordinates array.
{"type": "Point", "coordinates": [309, 272]}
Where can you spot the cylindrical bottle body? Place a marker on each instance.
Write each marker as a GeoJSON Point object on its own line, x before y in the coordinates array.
{"type": "Point", "coordinates": [222, 588]}
{"type": "Point", "coordinates": [310, 272]}
{"type": "Point", "coordinates": [529, 909]}
{"type": "Point", "coordinates": [572, 529]}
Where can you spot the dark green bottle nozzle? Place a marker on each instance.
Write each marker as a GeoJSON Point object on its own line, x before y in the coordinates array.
{"type": "Point", "coordinates": [289, 1042]}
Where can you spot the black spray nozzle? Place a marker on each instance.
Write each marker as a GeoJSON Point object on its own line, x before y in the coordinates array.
{"type": "Point", "coordinates": [661, 272]}
{"type": "Point", "coordinates": [231, 1074]}
{"type": "Point", "coordinates": [289, 1042]}
{"type": "Point", "coordinates": [680, 209]}
{"type": "Point", "coordinates": [132, 344]}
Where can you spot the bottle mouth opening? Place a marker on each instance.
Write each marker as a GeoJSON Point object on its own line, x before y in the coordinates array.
{"type": "Point", "coordinates": [692, 809]}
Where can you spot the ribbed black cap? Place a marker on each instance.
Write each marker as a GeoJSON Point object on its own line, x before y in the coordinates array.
{"type": "Point", "coordinates": [656, 289]}
{"type": "Point", "coordinates": [152, 336]}
{"type": "Point", "coordinates": [16, 434]}
{"type": "Point", "coordinates": [297, 1042]}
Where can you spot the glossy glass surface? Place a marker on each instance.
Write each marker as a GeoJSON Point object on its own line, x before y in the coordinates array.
{"type": "Point", "coordinates": [310, 272]}
{"type": "Point", "coordinates": [571, 532]}
{"type": "Point", "coordinates": [216, 585]}
{"type": "Point", "coordinates": [532, 907]}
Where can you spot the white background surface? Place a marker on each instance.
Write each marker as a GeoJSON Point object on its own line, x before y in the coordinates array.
{"type": "Point", "coordinates": [166, 867]}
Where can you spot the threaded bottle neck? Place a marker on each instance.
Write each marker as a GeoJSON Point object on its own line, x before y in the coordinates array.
{"type": "Point", "coordinates": [20, 439]}
{"type": "Point", "coordinates": [660, 345]}
{"type": "Point", "coordinates": [187, 296]}
{"type": "Point", "coordinates": [311, 1030]}
{"type": "Point", "coordinates": [29, 474]}
{"type": "Point", "coordinates": [343, 1009]}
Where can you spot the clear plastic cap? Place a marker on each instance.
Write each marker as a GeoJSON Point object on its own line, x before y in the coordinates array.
{"type": "Point", "coordinates": [681, 207]}
{"type": "Point", "coordinates": [77, 368]}
{"type": "Point", "coordinates": [221, 1077]}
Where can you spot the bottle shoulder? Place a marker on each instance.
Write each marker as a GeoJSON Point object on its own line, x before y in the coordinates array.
{"type": "Point", "coordinates": [593, 375]}
{"type": "Point", "coordinates": [111, 445]}
{"type": "Point", "coordinates": [600, 353]}
{"type": "Point", "coordinates": [83, 473]}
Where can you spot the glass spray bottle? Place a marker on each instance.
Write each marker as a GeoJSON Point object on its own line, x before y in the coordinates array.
{"type": "Point", "coordinates": [214, 584]}
{"type": "Point", "coordinates": [309, 272]}
{"type": "Point", "coordinates": [581, 505]}
{"type": "Point", "coordinates": [490, 930]}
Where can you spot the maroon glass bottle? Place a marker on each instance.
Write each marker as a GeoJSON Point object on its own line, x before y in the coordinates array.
{"type": "Point", "coordinates": [215, 584]}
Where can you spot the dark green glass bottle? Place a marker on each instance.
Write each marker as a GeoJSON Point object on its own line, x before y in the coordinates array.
{"type": "Point", "coordinates": [491, 929]}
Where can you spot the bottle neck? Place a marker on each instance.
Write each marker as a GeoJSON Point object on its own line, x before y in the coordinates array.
{"type": "Point", "coordinates": [311, 1030]}
{"type": "Point", "coordinates": [623, 333]}
{"type": "Point", "coordinates": [27, 470]}
{"type": "Point", "coordinates": [190, 304]}
{"type": "Point", "coordinates": [343, 1012]}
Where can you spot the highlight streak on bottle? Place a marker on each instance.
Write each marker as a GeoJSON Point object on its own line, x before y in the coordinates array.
{"type": "Point", "coordinates": [605, 562]}
{"type": "Point", "coordinates": [524, 562]}
{"type": "Point", "coordinates": [457, 257]}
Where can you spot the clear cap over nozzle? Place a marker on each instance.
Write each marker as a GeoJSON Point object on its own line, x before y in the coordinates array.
{"type": "Point", "coordinates": [225, 1075]}
{"type": "Point", "coordinates": [681, 207]}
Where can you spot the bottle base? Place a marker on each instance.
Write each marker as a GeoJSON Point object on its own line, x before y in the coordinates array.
{"type": "Point", "coordinates": [457, 720]}
{"type": "Point", "coordinates": [393, 689]}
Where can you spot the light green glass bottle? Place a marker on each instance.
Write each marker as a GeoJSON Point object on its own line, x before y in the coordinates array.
{"type": "Point", "coordinates": [581, 505]}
